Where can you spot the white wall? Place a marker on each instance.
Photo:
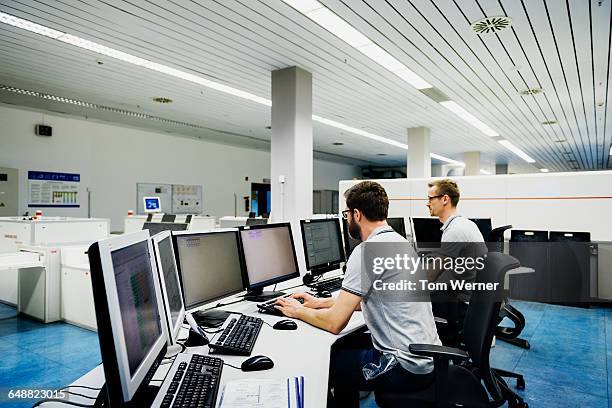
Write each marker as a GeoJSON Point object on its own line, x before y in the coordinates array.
{"type": "Point", "coordinates": [112, 159]}
{"type": "Point", "coordinates": [579, 201]}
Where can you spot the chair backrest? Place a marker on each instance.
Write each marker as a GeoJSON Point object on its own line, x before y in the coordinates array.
{"type": "Point", "coordinates": [482, 317]}
{"type": "Point", "coordinates": [495, 239]}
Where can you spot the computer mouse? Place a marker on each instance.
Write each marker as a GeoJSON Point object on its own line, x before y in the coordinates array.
{"type": "Point", "coordinates": [323, 294]}
{"type": "Point", "coordinates": [285, 325]}
{"type": "Point", "coordinates": [257, 363]}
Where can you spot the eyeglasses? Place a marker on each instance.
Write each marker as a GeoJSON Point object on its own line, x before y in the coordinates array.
{"type": "Point", "coordinates": [345, 214]}
{"type": "Point", "coordinates": [429, 198]}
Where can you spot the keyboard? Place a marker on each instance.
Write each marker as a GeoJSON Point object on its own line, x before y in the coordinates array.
{"type": "Point", "coordinates": [268, 307]}
{"type": "Point", "coordinates": [193, 381]}
{"type": "Point", "coordinates": [329, 285]}
{"type": "Point", "coordinates": [237, 335]}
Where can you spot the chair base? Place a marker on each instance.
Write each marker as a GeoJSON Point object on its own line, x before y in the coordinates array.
{"type": "Point", "coordinates": [522, 343]}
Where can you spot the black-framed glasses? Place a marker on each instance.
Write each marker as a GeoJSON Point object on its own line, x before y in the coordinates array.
{"type": "Point", "coordinates": [345, 214]}
{"type": "Point", "coordinates": [429, 198]}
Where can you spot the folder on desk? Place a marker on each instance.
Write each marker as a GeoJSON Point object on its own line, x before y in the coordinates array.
{"type": "Point", "coordinates": [260, 393]}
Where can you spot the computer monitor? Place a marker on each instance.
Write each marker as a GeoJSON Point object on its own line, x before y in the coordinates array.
{"type": "Point", "coordinates": [168, 218]}
{"type": "Point", "coordinates": [172, 297]}
{"type": "Point", "coordinates": [210, 268]}
{"type": "Point", "coordinates": [426, 232]}
{"type": "Point", "coordinates": [129, 312]}
{"type": "Point", "coordinates": [157, 227]}
{"type": "Point", "coordinates": [484, 225]}
{"type": "Point", "coordinates": [322, 242]}
{"type": "Point", "coordinates": [269, 258]}
{"type": "Point", "coordinates": [398, 225]}
{"type": "Point", "coordinates": [256, 221]}
{"type": "Point", "coordinates": [349, 242]}
{"type": "Point", "coordinates": [151, 204]}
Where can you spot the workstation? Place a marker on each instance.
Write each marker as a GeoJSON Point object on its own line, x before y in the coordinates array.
{"type": "Point", "coordinates": [218, 204]}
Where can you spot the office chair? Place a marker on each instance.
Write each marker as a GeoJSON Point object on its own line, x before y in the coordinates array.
{"type": "Point", "coordinates": [495, 243]}
{"type": "Point", "coordinates": [461, 383]}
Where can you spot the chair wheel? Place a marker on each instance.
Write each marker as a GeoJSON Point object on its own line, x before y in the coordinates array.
{"type": "Point", "coordinates": [520, 383]}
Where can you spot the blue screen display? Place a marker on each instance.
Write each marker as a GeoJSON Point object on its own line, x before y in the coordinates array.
{"type": "Point", "coordinates": [151, 203]}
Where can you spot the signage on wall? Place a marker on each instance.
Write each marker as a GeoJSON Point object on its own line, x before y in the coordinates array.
{"type": "Point", "coordinates": [48, 189]}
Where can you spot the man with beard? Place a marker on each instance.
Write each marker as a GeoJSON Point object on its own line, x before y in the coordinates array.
{"type": "Point", "coordinates": [393, 325]}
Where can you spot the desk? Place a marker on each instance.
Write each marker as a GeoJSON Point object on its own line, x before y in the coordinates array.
{"type": "Point", "coordinates": [305, 351]}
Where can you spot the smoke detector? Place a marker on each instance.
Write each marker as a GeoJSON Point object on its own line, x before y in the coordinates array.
{"type": "Point", "coordinates": [161, 99]}
{"type": "Point", "coordinates": [491, 25]}
{"type": "Point", "coordinates": [531, 91]}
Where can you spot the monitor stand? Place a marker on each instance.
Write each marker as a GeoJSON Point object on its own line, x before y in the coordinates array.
{"type": "Point", "coordinates": [261, 296]}
{"type": "Point", "coordinates": [211, 317]}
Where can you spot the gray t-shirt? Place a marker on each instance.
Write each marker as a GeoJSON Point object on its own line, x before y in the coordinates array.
{"type": "Point", "coordinates": [460, 238]}
{"type": "Point", "coordinates": [393, 325]}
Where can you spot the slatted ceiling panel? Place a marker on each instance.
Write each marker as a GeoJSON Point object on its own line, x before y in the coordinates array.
{"type": "Point", "coordinates": [534, 73]}
{"type": "Point", "coordinates": [559, 88]}
{"type": "Point", "coordinates": [239, 42]}
{"type": "Point", "coordinates": [442, 48]}
{"type": "Point", "coordinates": [600, 27]}
{"type": "Point", "coordinates": [497, 91]}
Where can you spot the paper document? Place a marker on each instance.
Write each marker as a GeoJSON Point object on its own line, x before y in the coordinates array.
{"type": "Point", "coordinates": [253, 393]}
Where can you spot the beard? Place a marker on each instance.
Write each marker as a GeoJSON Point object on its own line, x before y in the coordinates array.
{"type": "Point", "coordinates": [354, 230]}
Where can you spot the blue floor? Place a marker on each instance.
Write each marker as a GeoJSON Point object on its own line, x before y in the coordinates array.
{"type": "Point", "coordinates": [570, 360]}
{"type": "Point", "coordinates": [41, 356]}
{"type": "Point", "coordinates": [569, 363]}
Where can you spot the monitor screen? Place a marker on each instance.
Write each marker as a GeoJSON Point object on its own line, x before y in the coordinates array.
{"type": "Point", "coordinates": [322, 242]}
{"type": "Point", "coordinates": [349, 242]}
{"type": "Point", "coordinates": [426, 232]}
{"type": "Point", "coordinates": [157, 227]}
{"type": "Point", "coordinates": [151, 204]}
{"type": "Point", "coordinates": [137, 301]}
{"type": "Point", "coordinates": [398, 225]}
{"type": "Point", "coordinates": [171, 289]}
{"type": "Point", "coordinates": [269, 254]}
{"type": "Point", "coordinates": [209, 266]}
{"type": "Point", "coordinates": [484, 226]}
{"type": "Point", "coordinates": [129, 312]}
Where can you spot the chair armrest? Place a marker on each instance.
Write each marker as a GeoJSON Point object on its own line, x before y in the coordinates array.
{"type": "Point", "coordinates": [441, 321]}
{"type": "Point", "coordinates": [432, 350]}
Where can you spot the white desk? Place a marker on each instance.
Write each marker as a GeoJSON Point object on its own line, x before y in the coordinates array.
{"type": "Point", "coordinates": [305, 351]}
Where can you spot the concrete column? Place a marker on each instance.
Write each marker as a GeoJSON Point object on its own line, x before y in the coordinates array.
{"type": "Point", "coordinates": [291, 147]}
{"type": "Point", "coordinates": [436, 170]}
{"type": "Point", "coordinates": [419, 159]}
{"type": "Point", "coordinates": [501, 169]}
{"type": "Point", "coordinates": [472, 163]}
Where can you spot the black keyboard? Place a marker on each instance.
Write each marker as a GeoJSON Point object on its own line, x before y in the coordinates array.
{"type": "Point", "coordinates": [329, 285]}
{"type": "Point", "coordinates": [238, 335]}
{"type": "Point", "coordinates": [268, 307]}
{"type": "Point", "coordinates": [195, 383]}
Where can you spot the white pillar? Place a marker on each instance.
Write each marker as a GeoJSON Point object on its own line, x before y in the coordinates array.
{"type": "Point", "coordinates": [472, 163]}
{"type": "Point", "coordinates": [418, 159]}
{"type": "Point", "coordinates": [292, 146]}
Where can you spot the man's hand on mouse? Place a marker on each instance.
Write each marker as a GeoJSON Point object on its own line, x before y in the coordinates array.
{"type": "Point", "coordinates": [290, 307]}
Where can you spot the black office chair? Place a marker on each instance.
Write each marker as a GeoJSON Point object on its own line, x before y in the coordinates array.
{"type": "Point", "coordinates": [495, 243]}
{"type": "Point", "coordinates": [461, 383]}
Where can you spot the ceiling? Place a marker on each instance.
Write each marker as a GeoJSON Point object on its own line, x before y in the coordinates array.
{"type": "Point", "coordinates": [562, 47]}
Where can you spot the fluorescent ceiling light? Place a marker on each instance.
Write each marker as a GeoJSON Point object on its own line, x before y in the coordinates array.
{"type": "Point", "coordinates": [516, 151]}
{"type": "Point", "coordinates": [304, 6]}
{"type": "Point", "coordinates": [469, 118]}
{"type": "Point", "coordinates": [447, 160]}
{"type": "Point", "coordinates": [381, 57]}
{"type": "Point", "coordinates": [544, 170]}
{"type": "Point", "coordinates": [483, 171]}
{"type": "Point", "coordinates": [349, 34]}
{"type": "Point", "coordinates": [360, 132]}
{"type": "Point", "coordinates": [28, 25]}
